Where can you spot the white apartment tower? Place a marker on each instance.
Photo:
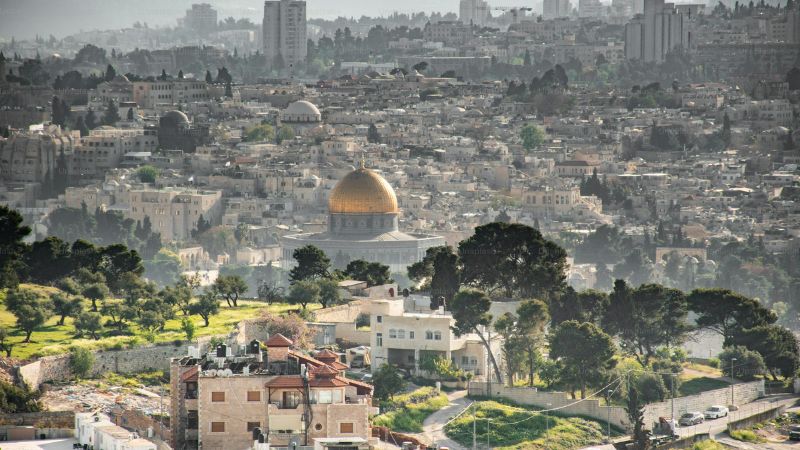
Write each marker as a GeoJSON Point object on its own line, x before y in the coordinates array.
{"type": "Point", "coordinates": [202, 18]}
{"type": "Point", "coordinates": [475, 12]}
{"type": "Point", "coordinates": [556, 9]}
{"type": "Point", "coordinates": [661, 29]}
{"type": "Point", "coordinates": [284, 31]}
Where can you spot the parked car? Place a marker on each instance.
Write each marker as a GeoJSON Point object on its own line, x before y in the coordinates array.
{"type": "Point", "coordinates": [691, 418]}
{"type": "Point", "coordinates": [715, 412]}
{"type": "Point", "coordinates": [794, 433]}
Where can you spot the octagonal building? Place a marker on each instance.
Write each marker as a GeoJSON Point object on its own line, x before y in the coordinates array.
{"type": "Point", "coordinates": [363, 219]}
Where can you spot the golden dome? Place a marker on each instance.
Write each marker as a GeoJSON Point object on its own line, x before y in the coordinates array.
{"type": "Point", "coordinates": [362, 191]}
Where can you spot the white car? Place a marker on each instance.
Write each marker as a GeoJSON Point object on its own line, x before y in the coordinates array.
{"type": "Point", "coordinates": [715, 412]}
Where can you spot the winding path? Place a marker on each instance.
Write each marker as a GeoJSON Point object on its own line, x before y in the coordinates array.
{"type": "Point", "coordinates": [433, 426]}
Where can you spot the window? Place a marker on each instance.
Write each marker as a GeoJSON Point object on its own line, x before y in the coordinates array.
{"type": "Point", "coordinates": [217, 427]}
{"type": "Point", "coordinates": [392, 333]}
{"type": "Point", "coordinates": [411, 335]}
{"type": "Point", "coordinates": [346, 427]}
{"type": "Point", "coordinates": [253, 425]}
{"type": "Point", "coordinates": [379, 339]}
{"type": "Point", "coordinates": [324, 397]}
{"type": "Point", "coordinates": [380, 319]}
{"type": "Point", "coordinates": [191, 390]}
{"type": "Point", "coordinates": [429, 335]}
{"type": "Point", "coordinates": [253, 396]}
{"type": "Point", "coordinates": [217, 397]}
{"type": "Point", "coordinates": [437, 335]}
{"type": "Point", "coordinates": [464, 360]}
{"type": "Point", "coordinates": [191, 419]}
{"type": "Point", "coordinates": [291, 399]}
{"type": "Point", "coordinates": [401, 334]}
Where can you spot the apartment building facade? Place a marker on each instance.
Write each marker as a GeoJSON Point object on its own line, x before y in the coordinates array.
{"type": "Point", "coordinates": [223, 399]}
{"type": "Point", "coordinates": [284, 31]}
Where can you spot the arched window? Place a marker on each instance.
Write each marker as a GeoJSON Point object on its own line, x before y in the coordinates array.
{"type": "Point", "coordinates": [437, 335]}
{"type": "Point", "coordinates": [429, 335]}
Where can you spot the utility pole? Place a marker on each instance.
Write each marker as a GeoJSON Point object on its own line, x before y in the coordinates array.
{"type": "Point", "coordinates": [488, 447]}
{"type": "Point", "coordinates": [672, 394]}
{"type": "Point", "coordinates": [474, 431]}
{"type": "Point", "coordinates": [731, 374]}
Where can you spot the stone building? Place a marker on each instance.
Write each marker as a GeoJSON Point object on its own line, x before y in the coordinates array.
{"type": "Point", "coordinates": [222, 399]}
{"type": "Point", "coordinates": [363, 223]}
{"type": "Point", "coordinates": [175, 132]}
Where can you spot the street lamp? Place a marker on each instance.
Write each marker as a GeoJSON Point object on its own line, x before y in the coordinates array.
{"type": "Point", "coordinates": [731, 375]}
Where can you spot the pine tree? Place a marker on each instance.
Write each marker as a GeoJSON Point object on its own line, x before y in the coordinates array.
{"type": "Point", "coordinates": [111, 115]}
{"type": "Point", "coordinates": [81, 126]}
{"type": "Point", "coordinates": [209, 78]}
{"type": "Point", "coordinates": [228, 90]}
{"type": "Point", "coordinates": [91, 120]}
{"type": "Point", "coordinates": [527, 59]}
{"type": "Point", "coordinates": [110, 73]}
{"type": "Point", "coordinates": [180, 74]}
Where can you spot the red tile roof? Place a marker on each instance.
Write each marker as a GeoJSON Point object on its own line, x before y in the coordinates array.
{"type": "Point", "coordinates": [278, 340]}
{"type": "Point", "coordinates": [285, 381]}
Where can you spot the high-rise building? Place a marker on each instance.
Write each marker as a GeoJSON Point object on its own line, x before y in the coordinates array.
{"type": "Point", "coordinates": [284, 30]}
{"type": "Point", "coordinates": [202, 18]}
{"type": "Point", "coordinates": [555, 9]}
{"type": "Point", "coordinates": [660, 30]}
{"type": "Point", "coordinates": [475, 12]}
{"type": "Point", "coordinates": [591, 8]}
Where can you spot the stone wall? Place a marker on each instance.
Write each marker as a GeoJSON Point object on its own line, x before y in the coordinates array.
{"type": "Point", "coordinates": [341, 313]}
{"type": "Point", "coordinates": [153, 357]}
{"type": "Point", "coordinates": [44, 419]}
{"type": "Point", "coordinates": [765, 416]}
{"type": "Point", "coordinates": [743, 393]}
{"type": "Point", "coordinates": [558, 400]}
{"type": "Point", "coordinates": [347, 331]}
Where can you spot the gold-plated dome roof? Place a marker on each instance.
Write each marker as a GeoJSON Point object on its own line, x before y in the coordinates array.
{"type": "Point", "coordinates": [362, 191]}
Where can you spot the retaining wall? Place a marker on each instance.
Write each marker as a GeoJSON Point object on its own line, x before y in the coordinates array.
{"type": "Point", "coordinates": [153, 357]}
{"type": "Point", "coordinates": [757, 418]}
{"type": "Point", "coordinates": [742, 393]}
{"type": "Point", "coordinates": [558, 400]}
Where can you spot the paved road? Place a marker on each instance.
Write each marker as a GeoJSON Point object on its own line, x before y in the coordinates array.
{"type": "Point", "coordinates": [433, 426]}
{"type": "Point", "coordinates": [718, 427]}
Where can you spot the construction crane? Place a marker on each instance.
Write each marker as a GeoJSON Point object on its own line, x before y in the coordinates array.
{"type": "Point", "coordinates": [514, 10]}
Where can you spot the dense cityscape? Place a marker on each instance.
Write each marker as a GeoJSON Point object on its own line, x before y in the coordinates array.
{"type": "Point", "coordinates": [540, 225]}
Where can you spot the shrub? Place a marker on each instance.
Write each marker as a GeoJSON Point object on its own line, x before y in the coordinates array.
{"type": "Point", "coordinates": [81, 361]}
{"type": "Point", "coordinates": [708, 445]}
{"type": "Point", "coordinates": [747, 436]}
{"type": "Point", "coordinates": [747, 366]}
{"type": "Point", "coordinates": [187, 326]}
{"type": "Point", "coordinates": [714, 362]}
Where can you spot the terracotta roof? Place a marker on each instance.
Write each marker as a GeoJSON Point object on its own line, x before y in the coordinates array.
{"type": "Point", "coordinates": [326, 354]}
{"type": "Point", "coordinates": [278, 340]}
{"type": "Point", "coordinates": [327, 382]}
{"type": "Point", "coordinates": [306, 358]}
{"type": "Point", "coordinates": [324, 371]}
{"type": "Point", "coordinates": [191, 374]}
{"type": "Point", "coordinates": [338, 366]}
{"type": "Point", "coordinates": [358, 384]}
{"type": "Point", "coordinates": [285, 381]}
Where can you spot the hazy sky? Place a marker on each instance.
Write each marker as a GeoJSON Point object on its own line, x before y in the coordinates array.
{"type": "Point", "coordinates": [25, 18]}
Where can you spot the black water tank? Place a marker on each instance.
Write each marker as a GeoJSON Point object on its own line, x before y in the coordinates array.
{"type": "Point", "coordinates": [256, 433]}
{"type": "Point", "coordinates": [254, 348]}
{"type": "Point", "coordinates": [221, 350]}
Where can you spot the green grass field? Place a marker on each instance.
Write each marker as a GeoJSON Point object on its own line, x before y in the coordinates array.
{"type": "Point", "coordinates": [697, 385]}
{"type": "Point", "coordinates": [412, 409]}
{"type": "Point", "coordinates": [52, 339]}
{"type": "Point", "coordinates": [515, 427]}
